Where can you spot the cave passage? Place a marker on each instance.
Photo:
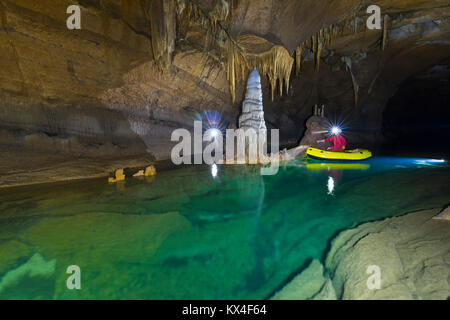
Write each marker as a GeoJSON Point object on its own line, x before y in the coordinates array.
{"type": "Point", "coordinates": [417, 117]}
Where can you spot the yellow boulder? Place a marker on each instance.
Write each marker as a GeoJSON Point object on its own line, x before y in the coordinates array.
{"type": "Point", "coordinates": [150, 171]}
{"type": "Point", "coordinates": [119, 176]}
{"type": "Point", "coordinates": [140, 173]}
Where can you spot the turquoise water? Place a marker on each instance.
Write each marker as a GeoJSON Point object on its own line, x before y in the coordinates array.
{"type": "Point", "coordinates": [187, 234]}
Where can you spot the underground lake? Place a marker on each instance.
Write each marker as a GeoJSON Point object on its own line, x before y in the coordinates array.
{"type": "Point", "coordinates": [199, 232]}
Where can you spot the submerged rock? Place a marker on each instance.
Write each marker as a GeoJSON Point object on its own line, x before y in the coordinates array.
{"type": "Point", "coordinates": [35, 267]}
{"type": "Point", "coordinates": [309, 284]}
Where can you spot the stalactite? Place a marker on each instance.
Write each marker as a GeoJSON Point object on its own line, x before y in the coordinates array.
{"type": "Point", "coordinates": [163, 31]}
{"type": "Point", "coordinates": [315, 42]}
{"type": "Point", "coordinates": [372, 83]}
{"type": "Point", "coordinates": [273, 61]}
{"type": "Point", "coordinates": [329, 35]}
{"type": "Point", "coordinates": [236, 65]}
{"type": "Point", "coordinates": [318, 53]}
{"type": "Point", "coordinates": [355, 88]}
{"type": "Point", "coordinates": [385, 31]}
{"type": "Point", "coordinates": [220, 12]}
{"type": "Point", "coordinates": [325, 37]}
{"type": "Point", "coordinates": [348, 63]}
{"type": "Point", "coordinates": [298, 59]}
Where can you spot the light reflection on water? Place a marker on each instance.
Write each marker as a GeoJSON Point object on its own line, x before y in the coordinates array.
{"type": "Point", "coordinates": [223, 232]}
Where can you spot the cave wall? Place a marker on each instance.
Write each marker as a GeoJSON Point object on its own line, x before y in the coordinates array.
{"type": "Point", "coordinates": [96, 91]}
{"type": "Point", "coordinates": [99, 92]}
{"type": "Point", "coordinates": [51, 77]}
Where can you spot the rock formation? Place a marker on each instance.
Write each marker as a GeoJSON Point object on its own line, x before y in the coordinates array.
{"type": "Point", "coordinates": [443, 215]}
{"type": "Point", "coordinates": [118, 176]}
{"type": "Point", "coordinates": [411, 251]}
{"type": "Point", "coordinates": [252, 107]}
{"type": "Point", "coordinates": [252, 117]}
{"type": "Point", "coordinates": [316, 129]}
{"type": "Point", "coordinates": [309, 284]}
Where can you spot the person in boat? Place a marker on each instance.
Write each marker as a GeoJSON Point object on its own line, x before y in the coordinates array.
{"type": "Point", "coordinates": [337, 139]}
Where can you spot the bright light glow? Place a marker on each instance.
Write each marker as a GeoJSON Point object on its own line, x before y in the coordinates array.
{"type": "Point", "coordinates": [214, 133]}
{"type": "Point", "coordinates": [214, 170]}
{"type": "Point", "coordinates": [330, 185]}
{"type": "Point", "coordinates": [429, 162]}
{"type": "Point", "coordinates": [212, 124]}
{"type": "Point", "coordinates": [336, 130]}
{"type": "Point", "coordinates": [437, 160]}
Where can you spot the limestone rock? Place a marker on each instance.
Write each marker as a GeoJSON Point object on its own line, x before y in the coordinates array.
{"type": "Point", "coordinates": [411, 251]}
{"type": "Point", "coordinates": [252, 107]}
{"type": "Point", "coordinates": [36, 266]}
{"type": "Point", "coordinates": [119, 176]}
{"type": "Point", "coordinates": [443, 215]}
{"type": "Point", "coordinates": [309, 284]}
{"type": "Point", "coordinates": [327, 292]}
{"type": "Point", "coordinates": [252, 117]}
{"type": "Point", "coordinates": [150, 171]}
{"type": "Point", "coordinates": [140, 173]}
{"type": "Point", "coordinates": [315, 126]}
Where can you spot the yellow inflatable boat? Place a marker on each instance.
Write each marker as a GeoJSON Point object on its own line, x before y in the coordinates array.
{"type": "Point", "coordinates": [351, 155]}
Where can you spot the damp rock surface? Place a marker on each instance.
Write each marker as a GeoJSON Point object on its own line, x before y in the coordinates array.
{"type": "Point", "coordinates": [443, 215]}
{"type": "Point", "coordinates": [411, 251]}
{"type": "Point", "coordinates": [309, 284]}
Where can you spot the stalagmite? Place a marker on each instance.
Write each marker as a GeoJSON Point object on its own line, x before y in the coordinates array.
{"type": "Point", "coordinates": [252, 117]}
{"type": "Point", "coordinates": [252, 107]}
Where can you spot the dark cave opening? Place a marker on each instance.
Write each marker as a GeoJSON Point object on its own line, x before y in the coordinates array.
{"type": "Point", "coordinates": [417, 117]}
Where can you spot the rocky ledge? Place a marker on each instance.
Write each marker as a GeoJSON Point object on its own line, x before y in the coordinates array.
{"type": "Point", "coordinates": [411, 253]}
{"type": "Point", "coordinates": [19, 168]}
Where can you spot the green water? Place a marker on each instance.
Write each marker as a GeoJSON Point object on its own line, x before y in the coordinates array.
{"type": "Point", "coordinates": [185, 234]}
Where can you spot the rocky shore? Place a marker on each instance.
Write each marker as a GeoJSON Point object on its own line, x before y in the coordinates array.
{"type": "Point", "coordinates": [411, 253]}
{"type": "Point", "coordinates": [19, 168]}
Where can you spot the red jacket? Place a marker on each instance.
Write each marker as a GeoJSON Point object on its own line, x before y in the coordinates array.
{"type": "Point", "coordinates": [339, 143]}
